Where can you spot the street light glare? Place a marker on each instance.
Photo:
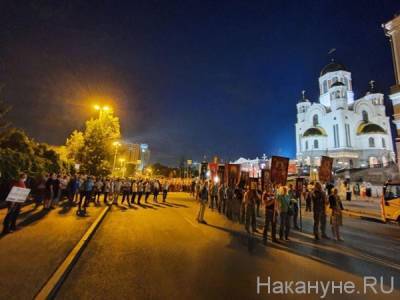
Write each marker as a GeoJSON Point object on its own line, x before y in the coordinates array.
{"type": "Point", "coordinates": [97, 107]}
{"type": "Point", "coordinates": [106, 108]}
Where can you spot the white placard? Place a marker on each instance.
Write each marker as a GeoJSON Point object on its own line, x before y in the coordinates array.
{"type": "Point", "coordinates": [18, 194]}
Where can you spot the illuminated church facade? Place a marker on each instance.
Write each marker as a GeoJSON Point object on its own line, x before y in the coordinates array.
{"type": "Point", "coordinates": [356, 133]}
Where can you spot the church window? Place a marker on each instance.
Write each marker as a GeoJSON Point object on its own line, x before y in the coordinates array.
{"type": "Point", "coordinates": [364, 116]}
{"type": "Point", "coordinates": [336, 136]}
{"type": "Point", "coordinates": [306, 145]}
{"type": "Point", "coordinates": [315, 144]}
{"type": "Point", "coordinates": [371, 142]}
{"type": "Point", "coordinates": [315, 120]}
{"type": "Point", "coordinates": [347, 129]}
{"type": "Point", "coordinates": [335, 79]}
{"type": "Point", "coordinates": [383, 143]}
{"type": "Point", "coordinates": [346, 82]}
{"type": "Point", "coordinates": [325, 86]}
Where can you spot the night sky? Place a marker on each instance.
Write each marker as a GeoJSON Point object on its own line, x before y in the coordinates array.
{"type": "Point", "coordinates": [190, 78]}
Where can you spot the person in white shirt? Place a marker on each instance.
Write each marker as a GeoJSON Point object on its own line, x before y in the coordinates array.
{"type": "Point", "coordinates": [134, 190]}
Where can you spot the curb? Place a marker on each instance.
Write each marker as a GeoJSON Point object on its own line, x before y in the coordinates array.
{"type": "Point", "coordinates": [362, 215]}
{"type": "Point", "coordinates": [50, 288]}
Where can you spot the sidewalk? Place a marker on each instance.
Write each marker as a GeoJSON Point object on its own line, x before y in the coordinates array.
{"type": "Point", "coordinates": [30, 255]}
{"type": "Point", "coordinates": [368, 208]}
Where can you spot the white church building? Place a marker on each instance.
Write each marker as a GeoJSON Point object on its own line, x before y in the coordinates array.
{"type": "Point", "coordinates": [356, 133]}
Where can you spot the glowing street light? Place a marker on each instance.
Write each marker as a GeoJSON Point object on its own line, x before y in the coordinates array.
{"type": "Point", "coordinates": [102, 109]}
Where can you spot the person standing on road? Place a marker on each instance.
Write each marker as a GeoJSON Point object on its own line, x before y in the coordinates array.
{"type": "Point", "coordinates": [140, 191]}
{"type": "Point", "coordinates": [126, 187]}
{"type": "Point", "coordinates": [269, 201]}
{"type": "Point", "coordinates": [230, 198]}
{"type": "Point", "coordinates": [221, 198]}
{"type": "Point", "coordinates": [84, 201]}
{"type": "Point", "coordinates": [156, 190]}
{"type": "Point", "coordinates": [284, 205]}
{"type": "Point", "coordinates": [134, 189]}
{"type": "Point", "coordinates": [336, 206]}
{"type": "Point", "coordinates": [165, 187]}
{"type": "Point", "coordinates": [147, 190]}
{"type": "Point", "coordinates": [319, 206]}
{"type": "Point", "coordinates": [14, 208]}
{"type": "Point", "coordinates": [203, 202]}
{"type": "Point", "coordinates": [213, 196]}
{"type": "Point", "coordinates": [106, 190]}
{"type": "Point", "coordinates": [117, 185]}
{"type": "Point", "coordinates": [99, 187]}
{"type": "Point", "coordinates": [250, 199]}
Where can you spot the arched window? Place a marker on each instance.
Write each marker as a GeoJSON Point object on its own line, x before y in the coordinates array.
{"type": "Point", "coordinates": [364, 116]}
{"type": "Point", "coordinates": [306, 145]}
{"type": "Point", "coordinates": [315, 144]}
{"type": "Point", "coordinates": [315, 120]}
{"type": "Point", "coordinates": [371, 142]}
{"type": "Point", "coordinates": [383, 143]}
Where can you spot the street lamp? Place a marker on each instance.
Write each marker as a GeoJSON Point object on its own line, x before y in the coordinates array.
{"type": "Point", "coordinates": [122, 161]}
{"type": "Point", "coordinates": [101, 109]}
{"type": "Point", "coordinates": [116, 145]}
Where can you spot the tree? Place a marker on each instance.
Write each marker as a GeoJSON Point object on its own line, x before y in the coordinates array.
{"type": "Point", "coordinates": [74, 146]}
{"type": "Point", "coordinates": [19, 153]}
{"type": "Point", "coordinates": [97, 151]}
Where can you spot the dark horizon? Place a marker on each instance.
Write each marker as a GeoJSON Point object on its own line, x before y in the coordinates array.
{"type": "Point", "coordinates": [189, 79]}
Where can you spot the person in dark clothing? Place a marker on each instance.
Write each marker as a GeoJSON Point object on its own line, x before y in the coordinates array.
{"type": "Point", "coordinates": [14, 208]}
{"type": "Point", "coordinates": [319, 201]}
{"type": "Point", "coordinates": [269, 201]}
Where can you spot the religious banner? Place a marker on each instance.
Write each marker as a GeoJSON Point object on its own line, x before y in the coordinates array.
{"type": "Point", "coordinates": [279, 169]}
{"type": "Point", "coordinates": [244, 179]}
{"type": "Point", "coordinates": [232, 174]}
{"type": "Point", "coordinates": [18, 194]}
{"type": "Point", "coordinates": [325, 169]}
{"type": "Point", "coordinates": [221, 173]}
{"type": "Point", "coordinates": [203, 170]}
{"type": "Point", "coordinates": [265, 179]}
{"type": "Point", "coordinates": [213, 167]}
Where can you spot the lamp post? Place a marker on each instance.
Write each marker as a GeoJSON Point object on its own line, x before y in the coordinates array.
{"type": "Point", "coordinates": [116, 145]}
{"type": "Point", "coordinates": [122, 161]}
{"type": "Point", "coordinates": [102, 109]}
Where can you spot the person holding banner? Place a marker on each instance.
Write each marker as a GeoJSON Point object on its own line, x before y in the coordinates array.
{"type": "Point", "coordinates": [14, 208]}
{"type": "Point", "coordinates": [319, 200]}
{"type": "Point", "coordinates": [269, 201]}
{"type": "Point", "coordinates": [250, 199]}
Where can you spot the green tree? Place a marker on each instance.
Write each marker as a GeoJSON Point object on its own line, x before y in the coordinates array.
{"type": "Point", "coordinates": [74, 146]}
{"type": "Point", "coordinates": [19, 153]}
{"type": "Point", "coordinates": [97, 151]}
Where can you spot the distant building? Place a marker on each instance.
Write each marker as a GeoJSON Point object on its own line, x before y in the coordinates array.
{"type": "Point", "coordinates": [144, 156]}
{"type": "Point", "coordinates": [392, 30]}
{"type": "Point", "coordinates": [356, 133]}
{"type": "Point", "coordinates": [139, 154]}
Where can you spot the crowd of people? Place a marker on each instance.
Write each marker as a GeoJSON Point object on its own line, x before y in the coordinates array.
{"type": "Point", "coordinates": [51, 190]}
{"type": "Point", "coordinates": [241, 203]}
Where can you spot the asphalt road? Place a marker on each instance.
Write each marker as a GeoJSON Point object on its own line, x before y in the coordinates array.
{"type": "Point", "coordinates": [161, 252]}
